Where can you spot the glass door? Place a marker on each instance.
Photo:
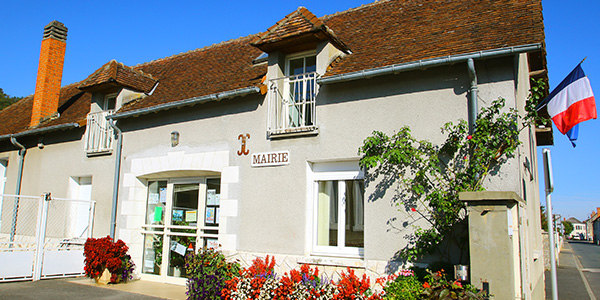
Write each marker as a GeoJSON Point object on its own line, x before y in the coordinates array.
{"type": "Point", "coordinates": [181, 217]}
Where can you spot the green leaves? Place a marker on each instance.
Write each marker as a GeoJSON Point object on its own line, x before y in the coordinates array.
{"type": "Point", "coordinates": [433, 175]}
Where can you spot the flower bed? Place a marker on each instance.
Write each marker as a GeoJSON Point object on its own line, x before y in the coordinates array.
{"type": "Point", "coordinates": [212, 277]}
{"type": "Point", "coordinates": [104, 254]}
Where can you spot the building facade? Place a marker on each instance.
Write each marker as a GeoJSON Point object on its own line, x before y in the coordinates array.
{"type": "Point", "coordinates": [251, 145]}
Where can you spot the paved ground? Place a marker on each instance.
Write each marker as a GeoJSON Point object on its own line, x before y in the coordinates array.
{"type": "Point", "coordinates": [83, 288]}
{"type": "Point", "coordinates": [570, 273]}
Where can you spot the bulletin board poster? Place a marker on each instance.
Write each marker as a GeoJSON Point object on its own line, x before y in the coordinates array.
{"type": "Point", "coordinates": [212, 243]}
{"type": "Point", "coordinates": [212, 198]}
{"type": "Point", "coordinates": [210, 215]}
{"type": "Point", "coordinates": [163, 195]}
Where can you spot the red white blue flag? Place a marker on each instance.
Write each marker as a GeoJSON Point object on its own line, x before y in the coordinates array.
{"type": "Point", "coordinates": [571, 103]}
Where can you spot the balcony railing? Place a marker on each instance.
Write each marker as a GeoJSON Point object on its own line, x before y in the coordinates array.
{"type": "Point", "coordinates": [292, 104]}
{"type": "Point", "coordinates": [98, 134]}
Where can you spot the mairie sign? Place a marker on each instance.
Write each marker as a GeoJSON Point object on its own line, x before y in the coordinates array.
{"type": "Point", "coordinates": [267, 159]}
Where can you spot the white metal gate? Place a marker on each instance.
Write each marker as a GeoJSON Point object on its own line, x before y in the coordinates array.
{"type": "Point", "coordinates": [42, 237]}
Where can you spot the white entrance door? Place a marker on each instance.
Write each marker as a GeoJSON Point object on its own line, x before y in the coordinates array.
{"type": "Point", "coordinates": [181, 217]}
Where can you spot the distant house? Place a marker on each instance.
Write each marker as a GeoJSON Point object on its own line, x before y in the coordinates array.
{"type": "Point", "coordinates": [594, 226]}
{"type": "Point", "coordinates": [579, 229]}
{"type": "Point", "coordinates": [251, 144]}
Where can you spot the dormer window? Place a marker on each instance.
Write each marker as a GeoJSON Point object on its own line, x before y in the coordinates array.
{"type": "Point", "coordinates": [110, 86]}
{"type": "Point", "coordinates": [110, 102]}
{"type": "Point", "coordinates": [292, 97]}
{"type": "Point", "coordinates": [292, 86]}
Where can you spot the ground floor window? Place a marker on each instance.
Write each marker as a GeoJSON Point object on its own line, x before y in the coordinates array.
{"type": "Point", "coordinates": [181, 217]}
{"type": "Point", "coordinates": [338, 213]}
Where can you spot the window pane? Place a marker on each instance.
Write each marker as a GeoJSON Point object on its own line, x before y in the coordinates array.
{"type": "Point", "coordinates": [213, 199]}
{"type": "Point", "coordinates": [355, 236]}
{"type": "Point", "coordinates": [327, 213]}
{"type": "Point", "coordinates": [157, 198]}
{"type": "Point", "coordinates": [185, 202]}
{"type": "Point", "coordinates": [110, 103]}
{"type": "Point", "coordinates": [152, 254]}
{"type": "Point", "coordinates": [311, 64]}
{"type": "Point", "coordinates": [296, 66]}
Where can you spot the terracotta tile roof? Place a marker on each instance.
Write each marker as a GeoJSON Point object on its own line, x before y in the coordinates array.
{"type": "Point", "coordinates": [379, 34]}
{"type": "Point", "coordinates": [73, 106]}
{"type": "Point", "coordinates": [391, 32]}
{"type": "Point", "coordinates": [117, 74]}
{"type": "Point", "coordinates": [217, 68]}
{"type": "Point", "coordinates": [300, 26]}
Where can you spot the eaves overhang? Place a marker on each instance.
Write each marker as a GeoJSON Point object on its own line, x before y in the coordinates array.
{"type": "Point", "coordinates": [426, 63]}
{"type": "Point", "coordinates": [38, 131]}
{"type": "Point", "coordinates": [187, 102]}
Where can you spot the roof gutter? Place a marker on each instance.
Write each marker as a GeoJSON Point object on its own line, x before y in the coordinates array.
{"type": "Point", "coordinates": [186, 102]}
{"type": "Point", "coordinates": [40, 130]}
{"type": "Point", "coordinates": [432, 62]}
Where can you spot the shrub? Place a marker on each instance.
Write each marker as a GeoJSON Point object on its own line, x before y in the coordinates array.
{"type": "Point", "coordinates": [401, 286]}
{"type": "Point", "coordinates": [437, 287]}
{"type": "Point", "coordinates": [103, 253]}
{"type": "Point", "coordinates": [207, 272]}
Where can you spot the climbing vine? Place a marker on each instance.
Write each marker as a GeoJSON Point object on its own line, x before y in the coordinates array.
{"type": "Point", "coordinates": [432, 176]}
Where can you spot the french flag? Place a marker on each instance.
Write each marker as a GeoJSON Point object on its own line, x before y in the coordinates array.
{"type": "Point", "coordinates": [572, 102]}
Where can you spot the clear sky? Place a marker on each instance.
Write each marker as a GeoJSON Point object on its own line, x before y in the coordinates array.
{"type": "Point", "coordinates": [134, 32]}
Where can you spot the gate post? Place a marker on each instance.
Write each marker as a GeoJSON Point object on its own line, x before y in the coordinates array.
{"type": "Point", "coordinates": [41, 235]}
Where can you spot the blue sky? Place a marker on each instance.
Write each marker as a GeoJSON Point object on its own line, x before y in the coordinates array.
{"type": "Point", "coordinates": [134, 32]}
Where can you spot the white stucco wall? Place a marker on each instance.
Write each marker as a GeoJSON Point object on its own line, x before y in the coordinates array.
{"type": "Point", "coordinates": [268, 208]}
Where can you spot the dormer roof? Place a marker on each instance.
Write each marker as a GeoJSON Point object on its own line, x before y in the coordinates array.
{"type": "Point", "coordinates": [115, 74]}
{"type": "Point", "coordinates": [298, 29]}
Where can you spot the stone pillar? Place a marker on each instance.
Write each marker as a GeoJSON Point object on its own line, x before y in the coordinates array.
{"type": "Point", "coordinates": [494, 242]}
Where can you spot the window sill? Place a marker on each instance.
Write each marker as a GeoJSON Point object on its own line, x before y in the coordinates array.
{"type": "Point", "coordinates": [98, 153]}
{"type": "Point", "coordinates": [293, 132]}
{"type": "Point", "coordinates": [325, 260]}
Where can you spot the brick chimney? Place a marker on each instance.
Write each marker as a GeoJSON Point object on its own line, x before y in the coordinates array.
{"type": "Point", "coordinates": [47, 87]}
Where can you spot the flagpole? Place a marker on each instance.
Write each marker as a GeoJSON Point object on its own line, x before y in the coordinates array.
{"type": "Point", "coordinates": [550, 219]}
{"type": "Point", "coordinates": [583, 60]}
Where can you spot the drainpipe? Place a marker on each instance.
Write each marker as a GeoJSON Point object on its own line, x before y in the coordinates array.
{"type": "Point", "coordinates": [113, 214]}
{"type": "Point", "coordinates": [22, 152]}
{"type": "Point", "coordinates": [472, 95]}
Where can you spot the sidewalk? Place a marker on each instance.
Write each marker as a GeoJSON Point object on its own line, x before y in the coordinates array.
{"type": "Point", "coordinates": [85, 288]}
{"type": "Point", "coordinates": [568, 277]}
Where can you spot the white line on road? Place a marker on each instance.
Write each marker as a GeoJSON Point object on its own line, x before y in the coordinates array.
{"type": "Point", "coordinates": [585, 282]}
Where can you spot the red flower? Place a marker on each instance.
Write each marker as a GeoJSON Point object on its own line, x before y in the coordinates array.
{"type": "Point", "coordinates": [426, 285]}
{"type": "Point", "coordinates": [469, 137]}
{"type": "Point", "coordinates": [413, 209]}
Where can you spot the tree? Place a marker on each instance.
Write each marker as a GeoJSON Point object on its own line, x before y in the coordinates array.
{"type": "Point", "coordinates": [6, 100]}
{"type": "Point", "coordinates": [568, 228]}
{"type": "Point", "coordinates": [544, 218]}
{"type": "Point", "coordinates": [432, 176]}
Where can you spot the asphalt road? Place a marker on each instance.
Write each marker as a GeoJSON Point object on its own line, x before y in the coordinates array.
{"type": "Point", "coordinates": [61, 289]}
{"type": "Point", "coordinates": [588, 256]}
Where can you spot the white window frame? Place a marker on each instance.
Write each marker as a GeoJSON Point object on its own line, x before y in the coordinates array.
{"type": "Point", "coordinates": [106, 101]}
{"type": "Point", "coordinates": [286, 88]}
{"type": "Point", "coordinates": [340, 176]}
